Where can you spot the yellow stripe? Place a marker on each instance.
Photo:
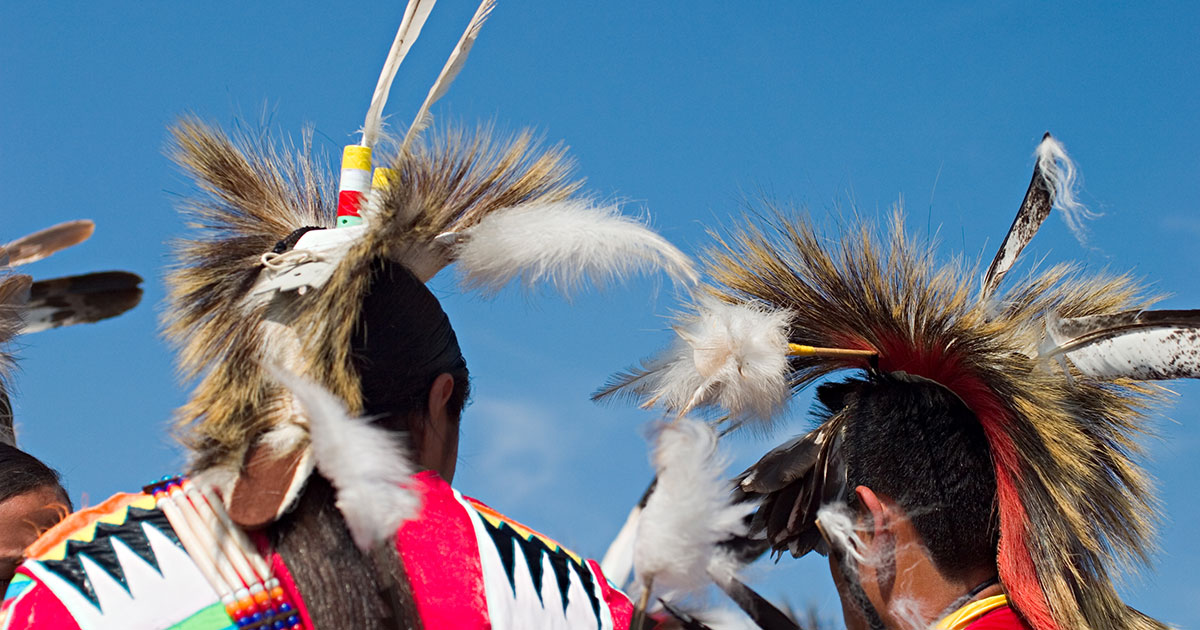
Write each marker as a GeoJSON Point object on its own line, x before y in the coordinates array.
{"type": "Point", "coordinates": [357, 157]}
{"type": "Point", "coordinates": [966, 615]}
{"type": "Point", "coordinates": [381, 177]}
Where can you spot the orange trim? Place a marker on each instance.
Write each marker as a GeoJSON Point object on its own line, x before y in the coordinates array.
{"type": "Point", "coordinates": [60, 533]}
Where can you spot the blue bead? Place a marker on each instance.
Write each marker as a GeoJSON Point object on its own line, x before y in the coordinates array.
{"type": "Point", "coordinates": [279, 625]}
{"type": "Point", "coordinates": [293, 620]}
{"type": "Point", "coordinates": [285, 607]}
{"type": "Point", "coordinates": [256, 617]}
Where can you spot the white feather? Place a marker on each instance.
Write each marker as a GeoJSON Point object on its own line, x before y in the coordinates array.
{"type": "Point", "coordinates": [618, 559]}
{"type": "Point", "coordinates": [450, 71]}
{"type": "Point", "coordinates": [732, 356]}
{"type": "Point", "coordinates": [368, 466]}
{"type": "Point", "coordinates": [415, 14]}
{"type": "Point", "coordinates": [565, 244]}
{"type": "Point", "coordinates": [1135, 345]}
{"type": "Point", "coordinates": [1058, 172]}
{"type": "Point", "coordinates": [688, 514]}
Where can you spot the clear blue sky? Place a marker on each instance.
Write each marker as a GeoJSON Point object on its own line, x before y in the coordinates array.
{"type": "Point", "coordinates": [682, 110]}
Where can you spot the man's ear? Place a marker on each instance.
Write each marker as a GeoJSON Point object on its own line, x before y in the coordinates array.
{"type": "Point", "coordinates": [439, 395]}
{"type": "Point", "coordinates": [874, 506]}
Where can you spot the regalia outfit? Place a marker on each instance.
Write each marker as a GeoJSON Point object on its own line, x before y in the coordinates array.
{"type": "Point", "coordinates": [265, 304]}
{"type": "Point", "coordinates": [1058, 369]}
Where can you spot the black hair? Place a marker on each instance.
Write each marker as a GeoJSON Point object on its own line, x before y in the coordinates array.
{"type": "Point", "coordinates": [342, 587]}
{"type": "Point", "coordinates": [402, 342]}
{"type": "Point", "coordinates": [21, 472]}
{"type": "Point", "coordinates": [915, 441]}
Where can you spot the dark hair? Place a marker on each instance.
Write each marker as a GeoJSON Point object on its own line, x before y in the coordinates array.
{"type": "Point", "coordinates": [402, 342]}
{"type": "Point", "coordinates": [916, 442]}
{"type": "Point", "coordinates": [342, 587]}
{"type": "Point", "coordinates": [21, 472]}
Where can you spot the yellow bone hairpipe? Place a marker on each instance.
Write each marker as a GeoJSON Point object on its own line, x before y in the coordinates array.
{"type": "Point", "coordinates": [797, 350]}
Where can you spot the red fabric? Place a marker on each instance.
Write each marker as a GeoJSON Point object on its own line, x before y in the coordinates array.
{"type": "Point", "coordinates": [37, 607]}
{"type": "Point", "coordinates": [618, 603]}
{"type": "Point", "coordinates": [280, 569]}
{"type": "Point", "coordinates": [1002, 618]}
{"type": "Point", "coordinates": [441, 559]}
{"type": "Point", "coordinates": [1015, 563]}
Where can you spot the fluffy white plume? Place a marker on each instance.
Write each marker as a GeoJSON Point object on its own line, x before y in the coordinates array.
{"type": "Point", "coordinates": [450, 71]}
{"type": "Point", "coordinates": [564, 243]}
{"type": "Point", "coordinates": [1058, 172]}
{"type": "Point", "coordinates": [688, 514]}
{"type": "Point", "coordinates": [837, 523]}
{"type": "Point", "coordinates": [732, 356]}
{"type": "Point", "coordinates": [367, 465]}
{"type": "Point", "coordinates": [415, 14]}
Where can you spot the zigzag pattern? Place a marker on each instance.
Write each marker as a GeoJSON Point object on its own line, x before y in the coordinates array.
{"type": "Point", "coordinates": [100, 550]}
{"type": "Point", "coordinates": [507, 540]}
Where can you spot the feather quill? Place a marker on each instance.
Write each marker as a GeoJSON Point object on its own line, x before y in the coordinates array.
{"type": "Point", "coordinates": [415, 14]}
{"type": "Point", "coordinates": [42, 243]}
{"type": "Point", "coordinates": [450, 71]}
{"type": "Point", "coordinates": [1142, 345]}
{"type": "Point", "coordinates": [564, 243]}
{"type": "Point", "coordinates": [732, 356]}
{"type": "Point", "coordinates": [367, 465]}
{"type": "Point", "coordinates": [1052, 185]}
{"type": "Point", "coordinates": [691, 511]}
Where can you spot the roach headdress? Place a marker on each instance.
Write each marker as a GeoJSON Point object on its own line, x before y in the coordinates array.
{"type": "Point", "coordinates": [283, 260]}
{"type": "Point", "coordinates": [28, 306]}
{"type": "Point", "coordinates": [1053, 369]}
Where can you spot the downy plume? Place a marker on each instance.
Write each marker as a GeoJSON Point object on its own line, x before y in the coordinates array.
{"type": "Point", "coordinates": [367, 465]}
{"type": "Point", "coordinates": [564, 243]}
{"type": "Point", "coordinates": [690, 512]}
{"type": "Point", "coordinates": [732, 356]}
{"type": "Point", "coordinates": [40, 244]}
{"type": "Point", "coordinates": [1059, 172]}
{"type": "Point", "coordinates": [450, 71]}
{"type": "Point", "coordinates": [415, 14]}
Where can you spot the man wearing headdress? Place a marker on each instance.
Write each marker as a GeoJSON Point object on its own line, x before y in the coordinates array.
{"type": "Point", "coordinates": [978, 470]}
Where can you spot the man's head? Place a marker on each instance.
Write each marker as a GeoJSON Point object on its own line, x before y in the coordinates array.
{"type": "Point", "coordinates": [921, 493]}
{"type": "Point", "coordinates": [31, 501]}
{"type": "Point", "coordinates": [414, 378]}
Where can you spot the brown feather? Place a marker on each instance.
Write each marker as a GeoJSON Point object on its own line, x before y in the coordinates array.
{"type": "Point", "coordinates": [80, 299]}
{"type": "Point", "coordinates": [42, 243]}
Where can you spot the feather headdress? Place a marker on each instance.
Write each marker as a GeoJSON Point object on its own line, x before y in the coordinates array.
{"type": "Point", "coordinates": [267, 281]}
{"type": "Point", "coordinates": [28, 306]}
{"type": "Point", "coordinates": [1052, 369]}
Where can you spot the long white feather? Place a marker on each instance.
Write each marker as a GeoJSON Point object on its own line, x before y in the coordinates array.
{"type": "Point", "coordinates": [618, 558]}
{"type": "Point", "coordinates": [367, 465]}
{"type": "Point", "coordinates": [690, 511]}
{"type": "Point", "coordinates": [1143, 345]}
{"type": "Point", "coordinates": [1058, 172]}
{"type": "Point", "coordinates": [450, 71]}
{"type": "Point", "coordinates": [730, 356]}
{"type": "Point", "coordinates": [415, 14]}
{"type": "Point", "coordinates": [565, 244]}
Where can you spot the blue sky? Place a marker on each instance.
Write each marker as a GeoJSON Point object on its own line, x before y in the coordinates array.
{"type": "Point", "coordinates": [680, 110]}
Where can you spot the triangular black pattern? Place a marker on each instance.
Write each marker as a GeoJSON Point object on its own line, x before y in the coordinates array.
{"type": "Point", "coordinates": [100, 550]}
{"type": "Point", "coordinates": [505, 537]}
